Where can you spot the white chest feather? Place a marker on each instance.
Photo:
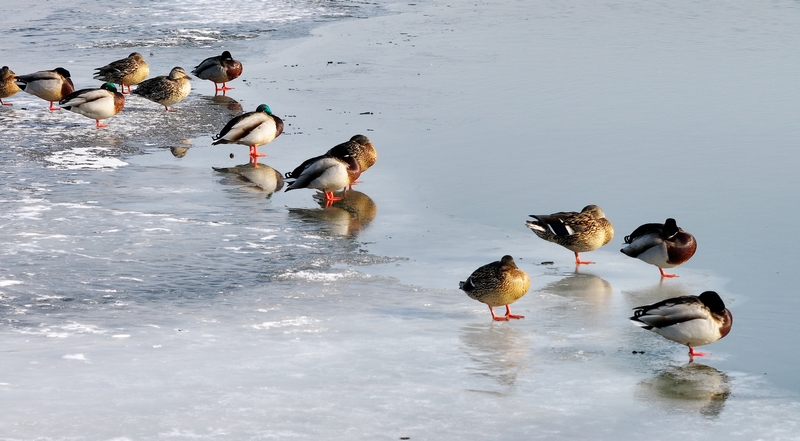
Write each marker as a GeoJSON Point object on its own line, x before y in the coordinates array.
{"type": "Point", "coordinates": [693, 333]}
{"type": "Point", "coordinates": [656, 255]}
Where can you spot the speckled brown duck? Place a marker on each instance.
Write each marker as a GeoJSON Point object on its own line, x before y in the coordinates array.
{"type": "Point", "coordinates": [577, 232]}
{"type": "Point", "coordinates": [166, 90]}
{"type": "Point", "coordinates": [8, 87]}
{"type": "Point", "coordinates": [499, 283]}
{"type": "Point", "coordinates": [128, 71]}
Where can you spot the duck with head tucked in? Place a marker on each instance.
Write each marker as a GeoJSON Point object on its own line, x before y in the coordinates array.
{"type": "Point", "coordinates": [219, 69]}
{"type": "Point", "coordinates": [689, 320]}
{"type": "Point", "coordinates": [577, 232]}
{"type": "Point", "coordinates": [328, 174]}
{"type": "Point", "coordinates": [8, 87]}
{"type": "Point", "coordinates": [499, 283]}
{"type": "Point", "coordinates": [96, 104]}
{"type": "Point", "coordinates": [166, 90]}
{"type": "Point", "coordinates": [663, 245]}
{"type": "Point", "coordinates": [359, 147]}
{"type": "Point", "coordinates": [49, 85]}
{"type": "Point", "coordinates": [252, 129]}
{"type": "Point", "coordinates": [128, 71]}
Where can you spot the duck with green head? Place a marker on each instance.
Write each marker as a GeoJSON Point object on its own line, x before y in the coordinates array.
{"type": "Point", "coordinates": [251, 129]}
{"type": "Point", "coordinates": [101, 103]}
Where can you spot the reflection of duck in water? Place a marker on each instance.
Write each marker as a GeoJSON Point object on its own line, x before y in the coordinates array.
{"type": "Point", "coordinates": [689, 320]}
{"type": "Point", "coordinates": [498, 283]}
{"type": "Point", "coordinates": [497, 352]}
{"type": "Point", "coordinates": [225, 101]}
{"type": "Point", "coordinates": [345, 217]}
{"type": "Point", "coordinates": [264, 176]}
{"type": "Point", "coordinates": [692, 387]}
{"type": "Point", "coordinates": [663, 245]}
{"type": "Point", "coordinates": [581, 286]}
{"type": "Point", "coordinates": [577, 232]}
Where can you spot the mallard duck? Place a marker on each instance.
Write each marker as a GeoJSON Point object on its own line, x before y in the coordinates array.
{"type": "Point", "coordinates": [166, 90]}
{"type": "Point", "coordinates": [97, 104]}
{"type": "Point", "coordinates": [663, 245]}
{"type": "Point", "coordinates": [219, 69]}
{"type": "Point", "coordinates": [577, 232]}
{"type": "Point", "coordinates": [264, 176]}
{"type": "Point", "coordinates": [359, 147]}
{"type": "Point", "coordinates": [8, 86]}
{"type": "Point", "coordinates": [125, 72]}
{"type": "Point", "coordinates": [689, 320]}
{"type": "Point", "coordinates": [252, 129]}
{"type": "Point", "coordinates": [49, 85]}
{"type": "Point", "coordinates": [327, 173]}
{"type": "Point", "coordinates": [497, 284]}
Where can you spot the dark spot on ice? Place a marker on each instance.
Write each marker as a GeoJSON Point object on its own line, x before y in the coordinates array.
{"type": "Point", "coordinates": [547, 262]}
{"type": "Point", "coordinates": [231, 155]}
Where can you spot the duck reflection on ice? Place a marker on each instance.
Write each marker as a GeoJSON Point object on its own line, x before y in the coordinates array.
{"type": "Point", "coordinates": [497, 352]}
{"type": "Point", "coordinates": [262, 175]}
{"type": "Point", "coordinates": [692, 387]}
{"type": "Point", "coordinates": [581, 286]}
{"type": "Point", "coordinates": [225, 101]}
{"type": "Point", "coordinates": [345, 217]}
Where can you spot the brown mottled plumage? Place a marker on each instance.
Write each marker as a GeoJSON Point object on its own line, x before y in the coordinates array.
{"type": "Point", "coordinates": [166, 90]}
{"type": "Point", "coordinates": [49, 85]}
{"type": "Point", "coordinates": [7, 85]}
{"type": "Point", "coordinates": [125, 72]}
{"type": "Point", "coordinates": [497, 284]}
{"type": "Point", "coordinates": [220, 69]}
{"type": "Point", "coordinates": [577, 232]}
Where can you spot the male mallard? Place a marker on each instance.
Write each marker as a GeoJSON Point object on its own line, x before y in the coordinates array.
{"type": "Point", "coordinates": [166, 90]}
{"type": "Point", "coordinates": [8, 86]}
{"type": "Point", "coordinates": [49, 85]}
{"type": "Point", "coordinates": [125, 72]}
{"type": "Point", "coordinates": [327, 173]}
{"type": "Point", "coordinates": [689, 320]}
{"type": "Point", "coordinates": [253, 129]}
{"type": "Point", "coordinates": [577, 232]}
{"type": "Point", "coordinates": [359, 147]}
{"type": "Point", "coordinates": [497, 284]}
{"type": "Point", "coordinates": [663, 245]}
{"type": "Point", "coordinates": [219, 69]}
{"type": "Point", "coordinates": [97, 104]}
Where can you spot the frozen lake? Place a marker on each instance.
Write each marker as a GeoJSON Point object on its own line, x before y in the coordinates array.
{"type": "Point", "coordinates": [145, 296]}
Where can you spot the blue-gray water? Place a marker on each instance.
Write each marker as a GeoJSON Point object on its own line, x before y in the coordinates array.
{"type": "Point", "coordinates": [145, 296]}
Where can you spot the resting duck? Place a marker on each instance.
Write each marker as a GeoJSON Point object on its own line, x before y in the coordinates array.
{"type": "Point", "coordinates": [497, 284]}
{"type": "Point", "coordinates": [577, 232]}
{"type": "Point", "coordinates": [97, 104]}
{"type": "Point", "coordinates": [219, 69]}
{"type": "Point", "coordinates": [166, 90]}
{"type": "Point", "coordinates": [252, 129]}
{"type": "Point", "coordinates": [49, 85]}
{"type": "Point", "coordinates": [663, 245]}
{"type": "Point", "coordinates": [125, 72]}
{"type": "Point", "coordinates": [8, 86]}
{"type": "Point", "coordinates": [689, 320]}
{"type": "Point", "coordinates": [358, 147]}
{"type": "Point", "coordinates": [327, 173]}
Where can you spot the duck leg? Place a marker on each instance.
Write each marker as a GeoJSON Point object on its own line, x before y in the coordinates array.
{"type": "Point", "coordinates": [254, 155]}
{"type": "Point", "coordinates": [5, 104]}
{"type": "Point", "coordinates": [223, 88]}
{"type": "Point", "coordinates": [509, 315]}
{"type": "Point", "coordinates": [496, 318]}
{"type": "Point", "coordinates": [578, 260]}
{"type": "Point", "coordinates": [99, 124]}
{"type": "Point", "coordinates": [663, 274]}
{"type": "Point", "coordinates": [53, 108]}
{"type": "Point", "coordinates": [693, 353]}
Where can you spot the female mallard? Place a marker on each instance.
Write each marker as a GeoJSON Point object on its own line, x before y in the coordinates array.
{"type": "Point", "coordinates": [498, 284]}
{"type": "Point", "coordinates": [8, 86]}
{"type": "Point", "coordinates": [97, 104]}
{"type": "Point", "coordinates": [689, 320]}
{"type": "Point", "coordinates": [327, 173]}
{"type": "Point", "coordinates": [358, 147]}
{"type": "Point", "coordinates": [577, 232]}
{"type": "Point", "coordinates": [166, 90]}
{"type": "Point", "coordinates": [252, 129]}
{"type": "Point", "coordinates": [663, 245]}
{"type": "Point", "coordinates": [219, 69]}
{"type": "Point", "coordinates": [49, 85]}
{"type": "Point", "coordinates": [125, 72]}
